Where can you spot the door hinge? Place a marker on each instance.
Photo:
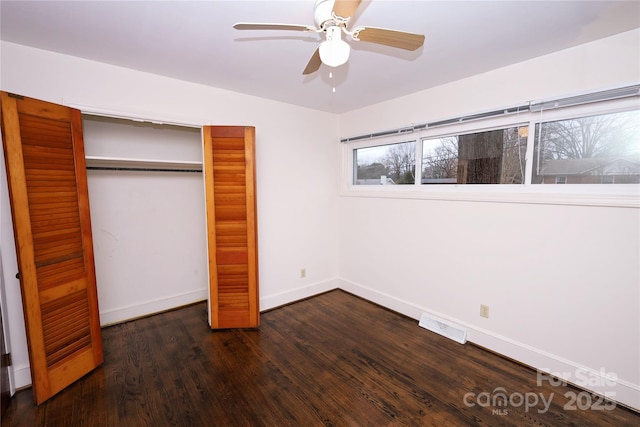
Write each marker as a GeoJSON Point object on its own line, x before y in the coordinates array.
{"type": "Point", "coordinates": [6, 360]}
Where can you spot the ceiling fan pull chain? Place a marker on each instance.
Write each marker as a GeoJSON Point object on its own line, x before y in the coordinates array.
{"type": "Point", "coordinates": [332, 18]}
{"type": "Point", "coordinates": [333, 80]}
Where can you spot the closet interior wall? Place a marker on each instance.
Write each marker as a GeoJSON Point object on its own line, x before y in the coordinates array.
{"type": "Point", "coordinates": [148, 219]}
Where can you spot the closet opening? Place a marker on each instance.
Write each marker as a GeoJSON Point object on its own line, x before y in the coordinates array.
{"type": "Point", "coordinates": [146, 195]}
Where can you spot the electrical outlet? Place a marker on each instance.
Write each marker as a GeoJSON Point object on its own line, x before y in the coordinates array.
{"type": "Point", "coordinates": [484, 311]}
{"type": "Point", "coordinates": [303, 273]}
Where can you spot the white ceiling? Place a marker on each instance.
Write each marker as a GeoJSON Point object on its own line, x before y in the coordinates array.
{"type": "Point", "coordinates": [195, 41]}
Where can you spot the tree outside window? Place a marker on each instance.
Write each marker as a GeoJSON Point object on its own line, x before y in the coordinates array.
{"type": "Point", "coordinates": [588, 150]}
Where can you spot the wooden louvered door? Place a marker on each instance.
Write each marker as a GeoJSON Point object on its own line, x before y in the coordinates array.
{"type": "Point", "coordinates": [46, 173]}
{"type": "Point", "coordinates": [229, 168]}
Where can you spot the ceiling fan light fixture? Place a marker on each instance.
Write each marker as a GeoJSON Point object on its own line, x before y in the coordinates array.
{"type": "Point", "coordinates": [332, 17]}
{"type": "Point", "coordinates": [334, 51]}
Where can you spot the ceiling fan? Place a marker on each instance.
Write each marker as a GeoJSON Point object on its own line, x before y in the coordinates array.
{"type": "Point", "coordinates": [332, 18]}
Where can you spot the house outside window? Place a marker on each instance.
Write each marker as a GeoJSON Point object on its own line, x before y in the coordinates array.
{"type": "Point", "coordinates": [595, 149]}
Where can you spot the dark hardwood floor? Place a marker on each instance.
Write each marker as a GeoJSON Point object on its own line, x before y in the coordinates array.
{"type": "Point", "coordinates": [332, 360]}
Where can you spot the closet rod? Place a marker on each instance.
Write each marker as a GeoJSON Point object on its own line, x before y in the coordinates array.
{"type": "Point", "coordinates": [127, 169]}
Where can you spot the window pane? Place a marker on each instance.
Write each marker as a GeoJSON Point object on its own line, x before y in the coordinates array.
{"type": "Point", "coordinates": [492, 157]}
{"type": "Point", "coordinates": [602, 149]}
{"type": "Point", "coordinates": [385, 164]}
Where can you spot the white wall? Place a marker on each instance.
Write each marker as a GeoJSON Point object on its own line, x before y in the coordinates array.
{"type": "Point", "coordinates": [297, 170]}
{"type": "Point", "coordinates": [149, 228]}
{"type": "Point", "coordinates": [562, 282]}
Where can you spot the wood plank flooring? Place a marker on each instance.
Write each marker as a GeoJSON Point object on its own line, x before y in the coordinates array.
{"type": "Point", "coordinates": [331, 360]}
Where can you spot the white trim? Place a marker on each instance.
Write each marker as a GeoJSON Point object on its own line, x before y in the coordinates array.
{"type": "Point", "coordinates": [276, 300]}
{"type": "Point", "coordinates": [623, 391]}
{"type": "Point", "coordinates": [512, 194]}
{"type": "Point", "coordinates": [617, 389]}
{"type": "Point", "coordinates": [136, 116]}
{"type": "Point", "coordinates": [620, 390]}
{"type": "Point", "coordinates": [22, 376]}
{"type": "Point", "coordinates": [528, 165]}
{"type": "Point", "coordinates": [206, 175]}
{"type": "Point", "coordinates": [5, 326]}
{"type": "Point", "coordinates": [125, 313]}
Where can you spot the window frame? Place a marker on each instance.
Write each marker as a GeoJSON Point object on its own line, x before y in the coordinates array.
{"type": "Point", "coordinates": [354, 173]}
{"type": "Point", "coordinates": [618, 195]}
{"type": "Point", "coordinates": [482, 130]}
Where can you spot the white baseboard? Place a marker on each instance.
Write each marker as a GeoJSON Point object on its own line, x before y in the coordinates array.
{"type": "Point", "coordinates": [21, 377]}
{"type": "Point", "coordinates": [272, 301]}
{"type": "Point", "coordinates": [587, 378]}
{"type": "Point", "coordinates": [122, 314]}
{"type": "Point", "coordinates": [22, 374]}
{"type": "Point", "coordinates": [552, 369]}
{"type": "Point", "coordinates": [594, 380]}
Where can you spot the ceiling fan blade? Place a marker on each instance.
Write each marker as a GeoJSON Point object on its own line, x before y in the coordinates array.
{"type": "Point", "coordinates": [393, 38]}
{"type": "Point", "coordinates": [313, 64]}
{"type": "Point", "coordinates": [346, 8]}
{"type": "Point", "coordinates": [253, 26]}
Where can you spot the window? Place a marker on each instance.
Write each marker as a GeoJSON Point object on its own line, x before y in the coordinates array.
{"type": "Point", "coordinates": [598, 149]}
{"type": "Point", "coordinates": [591, 139]}
{"type": "Point", "coordinates": [490, 157]}
{"type": "Point", "coordinates": [391, 164]}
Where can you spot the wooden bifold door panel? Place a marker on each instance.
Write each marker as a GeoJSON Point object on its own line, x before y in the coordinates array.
{"type": "Point", "coordinates": [229, 168]}
{"type": "Point", "coordinates": [46, 174]}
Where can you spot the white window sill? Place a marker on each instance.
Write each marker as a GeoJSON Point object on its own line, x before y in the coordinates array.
{"type": "Point", "coordinates": [583, 195]}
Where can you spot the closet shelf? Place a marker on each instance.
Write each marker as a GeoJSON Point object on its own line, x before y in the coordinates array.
{"type": "Point", "coordinates": [124, 163]}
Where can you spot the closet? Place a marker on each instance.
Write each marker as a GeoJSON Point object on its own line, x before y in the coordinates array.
{"type": "Point", "coordinates": [164, 229]}
{"type": "Point", "coordinates": [146, 192]}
